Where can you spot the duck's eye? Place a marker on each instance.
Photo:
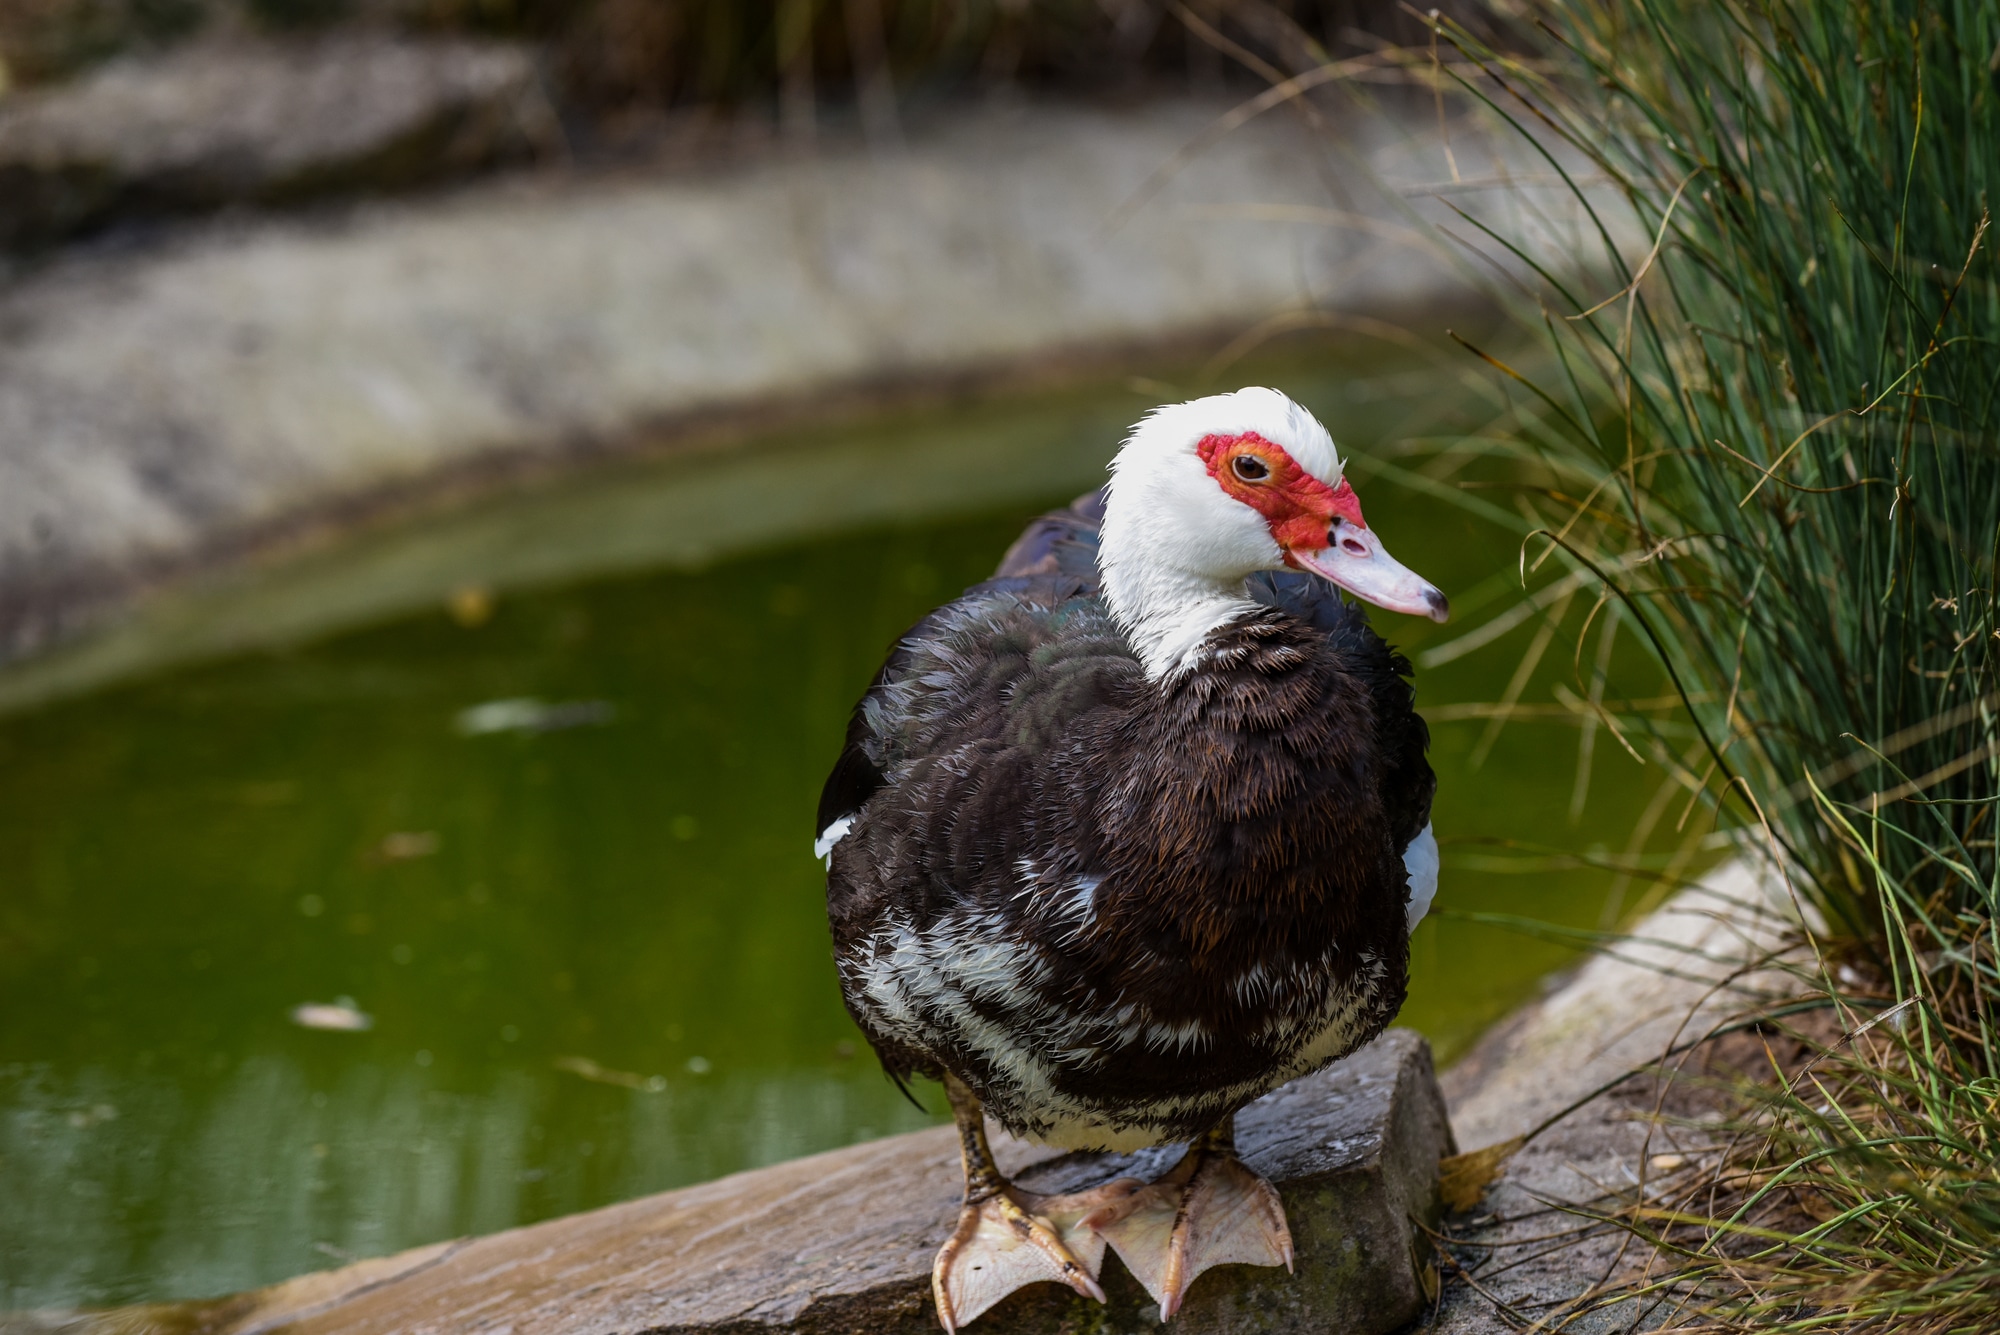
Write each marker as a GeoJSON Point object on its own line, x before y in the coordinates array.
{"type": "Point", "coordinates": [1249, 468]}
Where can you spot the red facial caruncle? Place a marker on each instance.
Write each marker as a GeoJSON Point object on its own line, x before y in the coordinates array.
{"type": "Point", "coordinates": [1318, 528]}
{"type": "Point", "coordinates": [1299, 507]}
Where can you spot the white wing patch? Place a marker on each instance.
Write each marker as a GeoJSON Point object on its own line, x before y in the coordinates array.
{"type": "Point", "coordinates": [831, 835]}
{"type": "Point", "coordinates": [1420, 859]}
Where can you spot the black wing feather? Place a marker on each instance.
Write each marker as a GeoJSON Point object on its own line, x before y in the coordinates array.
{"type": "Point", "coordinates": [1055, 558]}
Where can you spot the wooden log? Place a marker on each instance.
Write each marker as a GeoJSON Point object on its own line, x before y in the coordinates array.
{"type": "Point", "coordinates": [842, 1242]}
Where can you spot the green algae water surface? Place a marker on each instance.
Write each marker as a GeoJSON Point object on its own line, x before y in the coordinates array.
{"type": "Point", "coordinates": [417, 917]}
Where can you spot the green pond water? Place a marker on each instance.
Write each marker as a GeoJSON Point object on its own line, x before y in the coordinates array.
{"type": "Point", "coordinates": [588, 935]}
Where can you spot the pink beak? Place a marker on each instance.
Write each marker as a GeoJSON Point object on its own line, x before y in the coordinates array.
{"type": "Point", "coordinates": [1356, 560]}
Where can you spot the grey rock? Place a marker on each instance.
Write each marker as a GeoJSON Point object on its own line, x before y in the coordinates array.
{"type": "Point", "coordinates": [842, 1242]}
{"type": "Point", "coordinates": [242, 121]}
{"type": "Point", "coordinates": [1531, 1245]}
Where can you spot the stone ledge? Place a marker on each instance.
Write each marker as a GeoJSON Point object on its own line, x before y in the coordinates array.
{"type": "Point", "coordinates": [1675, 975]}
{"type": "Point", "coordinates": [842, 1242]}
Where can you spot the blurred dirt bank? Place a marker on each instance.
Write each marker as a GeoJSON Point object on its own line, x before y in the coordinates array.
{"type": "Point", "coordinates": [174, 403]}
{"type": "Point", "coordinates": [248, 296]}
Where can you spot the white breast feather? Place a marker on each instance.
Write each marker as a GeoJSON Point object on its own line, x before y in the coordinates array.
{"type": "Point", "coordinates": [831, 835]}
{"type": "Point", "coordinates": [1420, 859]}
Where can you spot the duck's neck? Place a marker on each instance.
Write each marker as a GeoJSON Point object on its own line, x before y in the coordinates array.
{"type": "Point", "coordinates": [1163, 600]}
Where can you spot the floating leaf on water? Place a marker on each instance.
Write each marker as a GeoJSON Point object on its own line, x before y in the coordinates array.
{"type": "Point", "coordinates": [341, 1016]}
{"type": "Point", "coordinates": [519, 715]}
{"type": "Point", "coordinates": [470, 605]}
{"type": "Point", "coordinates": [527, 714]}
{"type": "Point", "coordinates": [403, 845]}
{"type": "Point", "coordinates": [604, 1075]}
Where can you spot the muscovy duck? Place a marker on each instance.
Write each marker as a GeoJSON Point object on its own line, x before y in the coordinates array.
{"type": "Point", "coordinates": [1132, 834]}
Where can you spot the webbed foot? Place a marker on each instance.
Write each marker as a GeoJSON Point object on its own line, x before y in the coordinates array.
{"type": "Point", "coordinates": [1007, 1238]}
{"type": "Point", "coordinates": [1013, 1239]}
{"type": "Point", "coordinates": [1210, 1210]}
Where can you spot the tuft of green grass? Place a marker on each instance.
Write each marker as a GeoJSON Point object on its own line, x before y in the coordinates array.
{"type": "Point", "coordinates": [1787, 409]}
{"type": "Point", "coordinates": [1853, 1188]}
{"type": "Point", "coordinates": [1771, 443]}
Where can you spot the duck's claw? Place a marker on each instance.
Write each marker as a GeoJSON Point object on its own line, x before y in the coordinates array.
{"type": "Point", "coordinates": [1210, 1210]}
{"type": "Point", "coordinates": [1011, 1240]}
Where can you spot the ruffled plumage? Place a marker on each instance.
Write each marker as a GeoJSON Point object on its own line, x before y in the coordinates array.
{"type": "Point", "coordinates": [1119, 909]}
